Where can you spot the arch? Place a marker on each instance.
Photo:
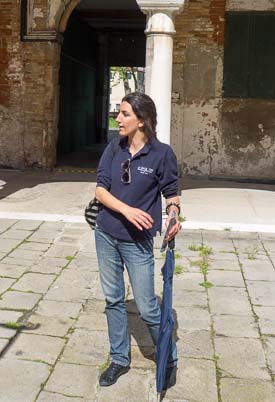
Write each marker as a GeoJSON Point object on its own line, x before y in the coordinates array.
{"type": "Point", "coordinates": [66, 15]}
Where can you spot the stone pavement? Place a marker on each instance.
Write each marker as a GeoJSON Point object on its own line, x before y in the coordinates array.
{"type": "Point", "coordinates": [53, 335]}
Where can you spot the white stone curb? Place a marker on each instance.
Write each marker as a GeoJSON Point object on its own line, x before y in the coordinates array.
{"type": "Point", "coordinates": [232, 226]}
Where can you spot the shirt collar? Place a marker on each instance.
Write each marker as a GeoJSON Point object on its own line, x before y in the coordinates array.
{"type": "Point", "coordinates": [144, 150]}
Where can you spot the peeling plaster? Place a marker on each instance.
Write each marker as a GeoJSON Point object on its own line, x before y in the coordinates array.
{"type": "Point", "coordinates": [249, 148]}
{"type": "Point", "coordinates": [201, 142]}
{"type": "Point", "coordinates": [56, 9]}
{"type": "Point", "coordinates": [37, 13]}
{"type": "Point", "coordinates": [250, 5]}
{"type": "Point", "coordinates": [266, 142]}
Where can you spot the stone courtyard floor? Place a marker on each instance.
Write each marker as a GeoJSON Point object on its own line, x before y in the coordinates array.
{"type": "Point", "coordinates": [53, 334]}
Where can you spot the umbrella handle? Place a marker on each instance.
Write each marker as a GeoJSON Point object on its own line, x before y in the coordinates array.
{"type": "Point", "coordinates": [171, 244]}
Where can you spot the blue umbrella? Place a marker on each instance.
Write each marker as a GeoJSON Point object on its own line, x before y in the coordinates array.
{"type": "Point", "coordinates": [164, 345]}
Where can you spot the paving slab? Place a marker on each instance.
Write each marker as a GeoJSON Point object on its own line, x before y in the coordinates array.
{"type": "Point", "coordinates": [196, 381]}
{"type": "Point", "coordinates": [7, 245]}
{"type": "Point", "coordinates": [262, 292]}
{"type": "Point", "coordinates": [3, 343]}
{"type": "Point", "coordinates": [249, 246]}
{"type": "Point", "coordinates": [219, 246]}
{"type": "Point", "coordinates": [5, 283]}
{"type": "Point", "coordinates": [26, 254]}
{"type": "Point", "coordinates": [73, 380]}
{"type": "Point", "coordinates": [6, 224]}
{"type": "Point", "coordinates": [7, 333]}
{"type": "Point", "coordinates": [58, 309]}
{"type": "Point", "coordinates": [52, 397]}
{"type": "Point", "coordinates": [185, 298]}
{"type": "Point", "coordinates": [224, 265]}
{"type": "Point", "coordinates": [197, 344]}
{"type": "Point", "coordinates": [235, 326]}
{"type": "Point", "coordinates": [188, 281]}
{"type": "Point", "coordinates": [225, 256]}
{"type": "Point", "coordinates": [16, 261]}
{"type": "Point", "coordinates": [269, 343]}
{"type": "Point", "coordinates": [34, 246]}
{"type": "Point", "coordinates": [241, 358]}
{"type": "Point", "coordinates": [19, 300]}
{"type": "Point", "coordinates": [57, 226]}
{"type": "Point", "coordinates": [259, 272]}
{"type": "Point", "coordinates": [9, 316]}
{"type": "Point", "coordinates": [52, 326]}
{"type": "Point", "coordinates": [16, 234]}
{"type": "Point", "coordinates": [240, 390]}
{"type": "Point", "coordinates": [224, 300]}
{"type": "Point", "coordinates": [143, 357]}
{"type": "Point", "coordinates": [266, 319]}
{"type": "Point", "coordinates": [44, 236]}
{"type": "Point", "coordinates": [133, 386]}
{"type": "Point", "coordinates": [12, 271]}
{"type": "Point", "coordinates": [84, 263]}
{"type": "Point", "coordinates": [138, 331]}
{"type": "Point", "coordinates": [74, 278]}
{"type": "Point", "coordinates": [193, 319]}
{"type": "Point", "coordinates": [269, 246]}
{"type": "Point", "coordinates": [61, 251]}
{"type": "Point", "coordinates": [51, 262]}
{"type": "Point", "coordinates": [93, 316]}
{"type": "Point", "coordinates": [86, 347]}
{"type": "Point", "coordinates": [34, 282]}
{"type": "Point", "coordinates": [21, 379]}
{"type": "Point", "coordinates": [25, 224]}
{"type": "Point", "coordinates": [226, 278]}
{"type": "Point", "coordinates": [36, 348]}
{"type": "Point", "coordinates": [67, 294]}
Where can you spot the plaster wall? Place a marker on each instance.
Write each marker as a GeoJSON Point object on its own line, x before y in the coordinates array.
{"type": "Point", "coordinates": [214, 136]}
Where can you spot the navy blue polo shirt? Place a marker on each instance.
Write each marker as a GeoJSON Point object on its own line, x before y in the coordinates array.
{"type": "Point", "coordinates": [153, 172]}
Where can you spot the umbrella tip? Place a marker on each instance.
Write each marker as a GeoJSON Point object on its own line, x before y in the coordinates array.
{"type": "Point", "coordinates": [158, 397]}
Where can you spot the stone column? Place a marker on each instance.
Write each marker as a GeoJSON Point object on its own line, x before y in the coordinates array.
{"type": "Point", "coordinates": [159, 58]}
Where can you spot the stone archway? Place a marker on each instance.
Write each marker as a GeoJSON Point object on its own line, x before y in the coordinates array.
{"type": "Point", "coordinates": [44, 24]}
{"type": "Point", "coordinates": [159, 53]}
{"type": "Point", "coordinates": [66, 15]}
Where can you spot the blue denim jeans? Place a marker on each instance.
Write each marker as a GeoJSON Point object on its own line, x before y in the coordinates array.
{"type": "Point", "coordinates": [138, 258]}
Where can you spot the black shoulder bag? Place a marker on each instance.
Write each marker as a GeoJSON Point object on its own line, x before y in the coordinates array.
{"type": "Point", "coordinates": [94, 206]}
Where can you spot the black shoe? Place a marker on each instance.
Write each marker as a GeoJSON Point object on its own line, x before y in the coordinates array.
{"type": "Point", "coordinates": [110, 376]}
{"type": "Point", "coordinates": [170, 377]}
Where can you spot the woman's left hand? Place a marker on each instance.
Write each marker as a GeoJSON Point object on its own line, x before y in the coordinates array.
{"type": "Point", "coordinates": [175, 228]}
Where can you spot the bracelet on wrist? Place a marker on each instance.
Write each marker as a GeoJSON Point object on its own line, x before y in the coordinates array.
{"type": "Point", "coordinates": [174, 204]}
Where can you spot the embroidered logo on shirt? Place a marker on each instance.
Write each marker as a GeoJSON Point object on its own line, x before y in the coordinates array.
{"type": "Point", "coordinates": [145, 170]}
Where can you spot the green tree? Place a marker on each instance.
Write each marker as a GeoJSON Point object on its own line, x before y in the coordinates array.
{"type": "Point", "coordinates": [124, 74]}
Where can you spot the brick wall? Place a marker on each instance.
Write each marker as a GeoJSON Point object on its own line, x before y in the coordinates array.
{"type": "Point", "coordinates": [28, 91]}
{"type": "Point", "coordinates": [11, 84]}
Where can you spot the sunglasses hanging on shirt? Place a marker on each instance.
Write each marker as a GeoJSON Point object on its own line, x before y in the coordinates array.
{"type": "Point", "coordinates": [126, 174]}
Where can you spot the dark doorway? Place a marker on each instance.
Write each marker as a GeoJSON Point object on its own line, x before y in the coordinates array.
{"type": "Point", "coordinates": [98, 35]}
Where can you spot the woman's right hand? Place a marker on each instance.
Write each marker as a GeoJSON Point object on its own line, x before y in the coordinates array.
{"type": "Point", "coordinates": [140, 219]}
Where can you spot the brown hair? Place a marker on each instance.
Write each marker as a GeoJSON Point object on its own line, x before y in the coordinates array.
{"type": "Point", "coordinates": [144, 108]}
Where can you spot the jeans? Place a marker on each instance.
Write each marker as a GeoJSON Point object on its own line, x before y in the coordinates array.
{"type": "Point", "coordinates": [138, 258]}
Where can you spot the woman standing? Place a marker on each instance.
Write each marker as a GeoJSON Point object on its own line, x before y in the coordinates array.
{"type": "Point", "coordinates": [132, 175]}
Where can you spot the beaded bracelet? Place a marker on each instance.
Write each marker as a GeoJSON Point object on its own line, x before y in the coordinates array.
{"type": "Point", "coordinates": [175, 204]}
